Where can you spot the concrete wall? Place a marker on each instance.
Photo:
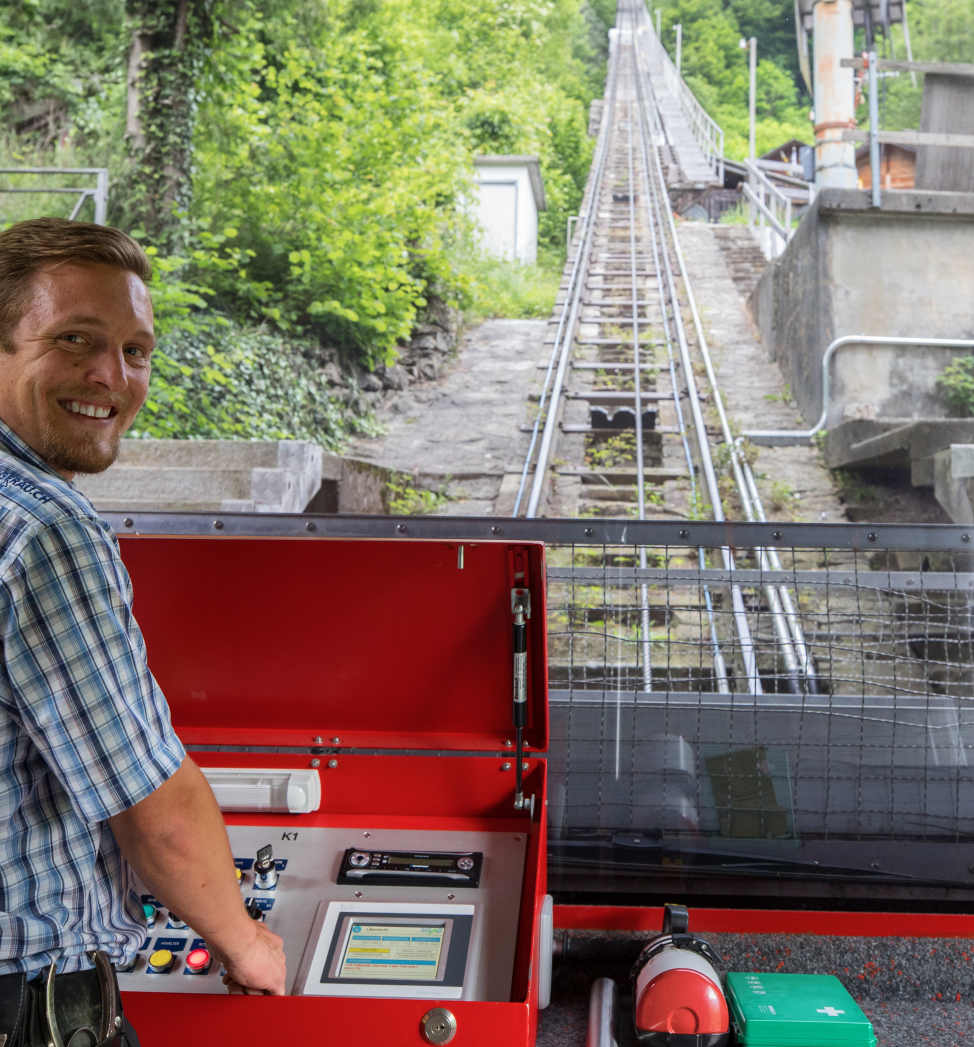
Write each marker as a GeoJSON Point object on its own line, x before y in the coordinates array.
{"type": "Point", "coordinates": [904, 270]}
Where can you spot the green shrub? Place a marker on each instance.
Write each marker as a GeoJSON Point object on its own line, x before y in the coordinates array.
{"type": "Point", "coordinates": [217, 378]}
{"type": "Point", "coordinates": [956, 385]}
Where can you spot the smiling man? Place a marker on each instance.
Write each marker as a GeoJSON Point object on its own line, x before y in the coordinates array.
{"type": "Point", "coordinates": [93, 779]}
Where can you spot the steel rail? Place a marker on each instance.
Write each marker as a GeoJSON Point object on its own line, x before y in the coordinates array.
{"type": "Point", "coordinates": [568, 322]}
{"type": "Point", "coordinates": [720, 663]}
{"type": "Point", "coordinates": [657, 188]}
{"type": "Point", "coordinates": [787, 625]}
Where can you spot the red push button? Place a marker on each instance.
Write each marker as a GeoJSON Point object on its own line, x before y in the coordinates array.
{"type": "Point", "coordinates": [198, 961]}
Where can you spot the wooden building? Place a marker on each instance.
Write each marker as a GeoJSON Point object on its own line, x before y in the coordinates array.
{"type": "Point", "coordinates": [897, 167]}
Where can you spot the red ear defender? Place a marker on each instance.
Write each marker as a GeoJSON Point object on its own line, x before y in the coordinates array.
{"type": "Point", "coordinates": [677, 997]}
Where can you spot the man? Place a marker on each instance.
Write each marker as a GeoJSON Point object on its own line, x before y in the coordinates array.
{"type": "Point", "coordinates": [93, 779]}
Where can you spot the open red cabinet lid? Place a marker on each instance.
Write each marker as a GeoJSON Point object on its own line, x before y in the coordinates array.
{"type": "Point", "coordinates": [387, 644]}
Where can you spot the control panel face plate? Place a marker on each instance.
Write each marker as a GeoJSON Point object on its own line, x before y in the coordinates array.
{"type": "Point", "coordinates": [308, 864]}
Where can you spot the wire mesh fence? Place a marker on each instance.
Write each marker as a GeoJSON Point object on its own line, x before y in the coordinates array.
{"type": "Point", "coordinates": [721, 725]}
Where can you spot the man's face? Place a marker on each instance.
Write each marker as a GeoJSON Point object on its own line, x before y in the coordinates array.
{"type": "Point", "coordinates": [79, 370]}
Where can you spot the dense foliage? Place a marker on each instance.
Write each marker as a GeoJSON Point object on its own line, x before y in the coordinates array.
{"type": "Point", "coordinates": [303, 166]}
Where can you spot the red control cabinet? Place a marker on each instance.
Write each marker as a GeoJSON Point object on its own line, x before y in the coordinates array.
{"type": "Point", "coordinates": [390, 668]}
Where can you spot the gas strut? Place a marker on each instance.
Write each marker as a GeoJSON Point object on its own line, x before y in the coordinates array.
{"type": "Point", "coordinates": [520, 688]}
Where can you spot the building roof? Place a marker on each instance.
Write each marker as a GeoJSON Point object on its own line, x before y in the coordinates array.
{"type": "Point", "coordinates": [515, 160]}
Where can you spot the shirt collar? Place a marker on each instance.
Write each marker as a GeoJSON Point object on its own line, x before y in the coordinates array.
{"type": "Point", "coordinates": [12, 443]}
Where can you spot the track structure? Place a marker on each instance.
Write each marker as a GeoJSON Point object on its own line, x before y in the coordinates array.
{"type": "Point", "coordinates": [621, 392]}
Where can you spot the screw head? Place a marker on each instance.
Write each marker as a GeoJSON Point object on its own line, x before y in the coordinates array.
{"type": "Point", "coordinates": [776, 535]}
{"type": "Point", "coordinates": [496, 530]}
{"type": "Point", "coordinates": [589, 532]}
{"type": "Point", "coordinates": [401, 528]}
{"type": "Point", "coordinates": [684, 533]}
{"type": "Point", "coordinates": [871, 536]}
{"type": "Point", "coordinates": [506, 765]}
{"type": "Point", "coordinates": [128, 521]}
{"type": "Point", "coordinates": [311, 526]}
{"type": "Point", "coordinates": [217, 525]}
{"type": "Point", "coordinates": [316, 740]}
{"type": "Point", "coordinates": [965, 537]}
{"type": "Point", "coordinates": [332, 764]}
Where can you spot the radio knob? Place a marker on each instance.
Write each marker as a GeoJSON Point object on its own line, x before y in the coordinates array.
{"type": "Point", "coordinates": [358, 859]}
{"type": "Point", "coordinates": [150, 912]}
{"type": "Point", "coordinates": [465, 864]}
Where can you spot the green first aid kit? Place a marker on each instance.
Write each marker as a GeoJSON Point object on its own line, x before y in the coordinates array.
{"type": "Point", "coordinates": [795, 1010]}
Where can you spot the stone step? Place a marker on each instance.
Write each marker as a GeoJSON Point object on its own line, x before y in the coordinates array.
{"type": "Point", "coordinates": [209, 475]}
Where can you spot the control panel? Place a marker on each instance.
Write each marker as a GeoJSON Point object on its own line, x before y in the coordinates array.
{"type": "Point", "coordinates": [366, 912]}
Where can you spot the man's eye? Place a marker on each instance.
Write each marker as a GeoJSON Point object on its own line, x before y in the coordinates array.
{"type": "Point", "coordinates": [138, 353]}
{"type": "Point", "coordinates": [72, 339]}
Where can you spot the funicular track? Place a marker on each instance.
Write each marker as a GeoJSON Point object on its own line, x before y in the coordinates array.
{"type": "Point", "coordinates": [622, 428]}
{"type": "Point", "coordinates": [812, 693]}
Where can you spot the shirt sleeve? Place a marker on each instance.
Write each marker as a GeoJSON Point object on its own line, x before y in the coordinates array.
{"type": "Point", "coordinates": [76, 664]}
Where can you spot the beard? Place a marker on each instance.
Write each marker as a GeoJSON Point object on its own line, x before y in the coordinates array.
{"type": "Point", "coordinates": [91, 455]}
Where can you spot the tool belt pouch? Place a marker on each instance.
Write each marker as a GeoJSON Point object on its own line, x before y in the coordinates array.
{"type": "Point", "coordinates": [82, 1009]}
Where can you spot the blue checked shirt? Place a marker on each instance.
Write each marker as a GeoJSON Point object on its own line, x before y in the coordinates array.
{"type": "Point", "coordinates": [84, 728]}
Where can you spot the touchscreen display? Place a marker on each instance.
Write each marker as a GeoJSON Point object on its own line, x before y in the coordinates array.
{"type": "Point", "coordinates": [399, 951]}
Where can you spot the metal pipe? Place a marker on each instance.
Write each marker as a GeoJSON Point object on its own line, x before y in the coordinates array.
{"type": "Point", "coordinates": [835, 159]}
{"type": "Point", "coordinates": [775, 436]}
{"type": "Point", "coordinates": [601, 1014]}
{"type": "Point", "coordinates": [874, 160]}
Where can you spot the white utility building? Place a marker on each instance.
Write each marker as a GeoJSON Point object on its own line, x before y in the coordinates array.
{"type": "Point", "coordinates": [509, 196]}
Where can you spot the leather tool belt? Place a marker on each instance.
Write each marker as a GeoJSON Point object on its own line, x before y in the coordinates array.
{"type": "Point", "coordinates": [82, 1009]}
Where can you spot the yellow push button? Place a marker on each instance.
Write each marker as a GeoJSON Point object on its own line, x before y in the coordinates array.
{"type": "Point", "coordinates": [161, 961]}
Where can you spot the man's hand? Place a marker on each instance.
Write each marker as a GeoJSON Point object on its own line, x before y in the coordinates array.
{"type": "Point", "coordinates": [258, 969]}
{"type": "Point", "coordinates": [176, 841]}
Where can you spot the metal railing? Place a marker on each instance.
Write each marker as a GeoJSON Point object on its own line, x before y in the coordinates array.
{"type": "Point", "coordinates": [778, 437]}
{"type": "Point", "coordinates": [769, 211]}
{"type": "Point", "coordinates": [707, 133]}
{"type": "Point", "coordinates": [97, 193]}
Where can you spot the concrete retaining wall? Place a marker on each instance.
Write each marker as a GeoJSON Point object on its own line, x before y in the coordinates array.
{"type": "Point", "coordinates": [906, 269]}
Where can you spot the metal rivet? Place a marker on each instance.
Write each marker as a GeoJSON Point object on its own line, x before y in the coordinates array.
{"type": "Point", "coordinates": [401, 527]}
{"type": "Point", "coordinates": [684, 533]}
{"type": "Point", "coordinates": [496, 530]}
{"type": "Point", "coordinates": [218, 525]}
{"type": "Point", "coordinates": [128, 521]}
{"type": "Point", "coordinates": [358, 894]}
{"type": "Point", "coordinates": [965, 537]}
{"type": "Point", "coordinates": [508, 742]}
{"type": "Point", "coordinates": [525, 765]}
{"type": "Point", "coordinates": [336, 740]}
{"type": "Point", "coordinates": [589, 532]}
{"type": "Point", "coordinates": [871, 537]}
{"type": "Point", "coordinates": [317, 739]}
{"type": "Point", "coordinates": [506, 765]}
{"type": "Point", "coordinates": [367, 834]}
{"type": "Point", "coordinates": [316, 762]}
{"type": "Point", "coordinates": [776, 535]}
{"type": "Point", "coordinates": [311, 526]}
{"type": "Point", "coordinates": [450, 897]}
{"type": "Point", "coordinates": [333, 764]}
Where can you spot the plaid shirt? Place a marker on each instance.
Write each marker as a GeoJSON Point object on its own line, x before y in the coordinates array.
{"type": "Point", "coordinates": [84, 728]}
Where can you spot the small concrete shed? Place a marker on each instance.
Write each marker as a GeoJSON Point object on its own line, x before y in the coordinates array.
{"type": "Point", "coordinates": [510, 194]}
